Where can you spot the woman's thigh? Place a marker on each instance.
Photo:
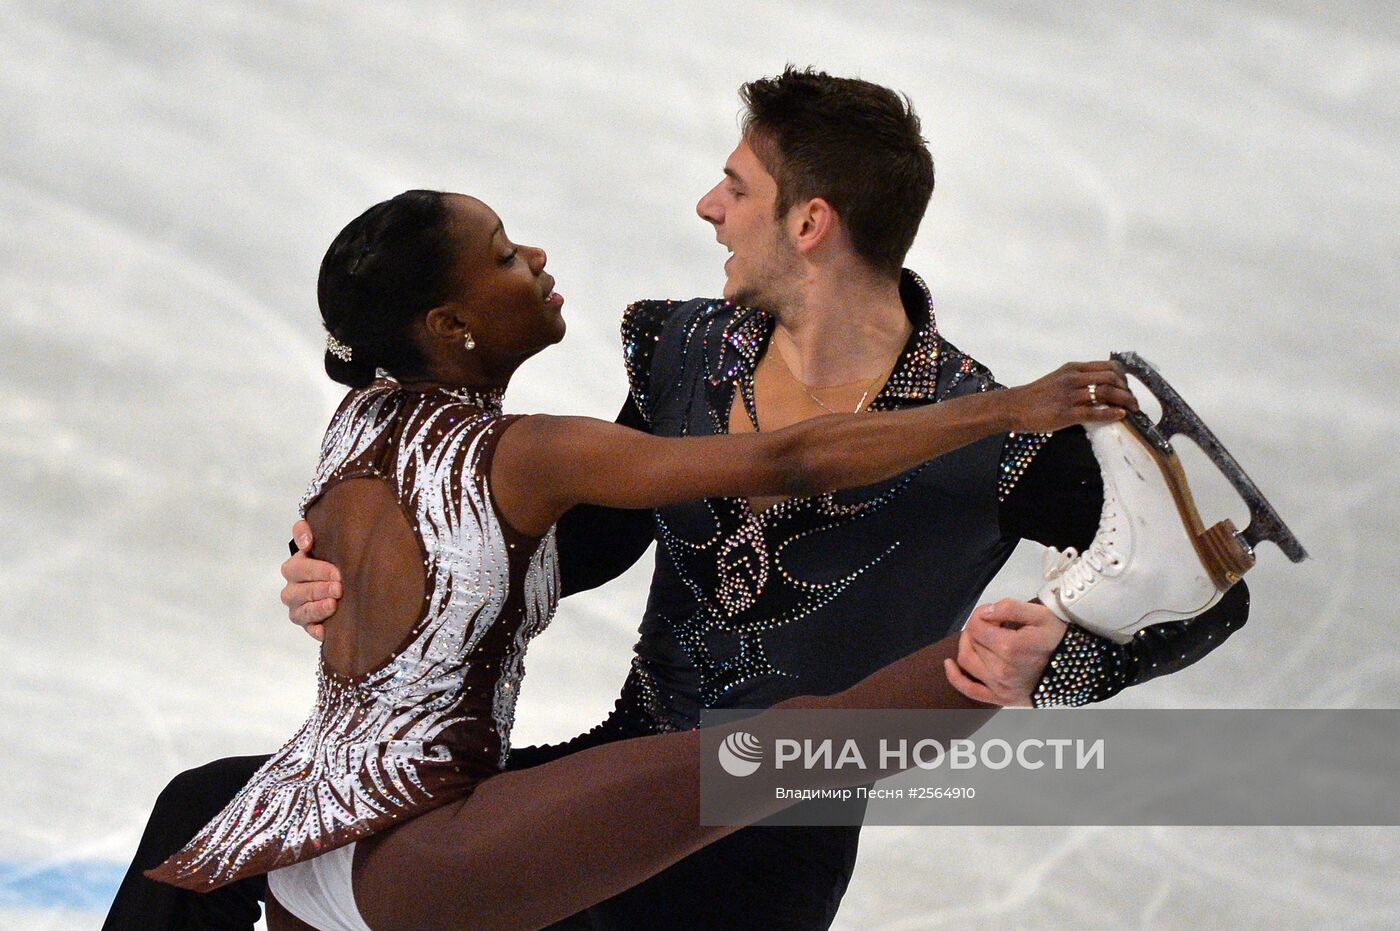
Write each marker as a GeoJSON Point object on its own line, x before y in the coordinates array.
{"type": "Point", "coordinates": [534, 846]}
{"type": "Point", "coordinates": [279, 919]}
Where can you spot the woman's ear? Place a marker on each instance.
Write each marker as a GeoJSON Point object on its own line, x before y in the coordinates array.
{"type": "Point", "coordinates": [448, 322]}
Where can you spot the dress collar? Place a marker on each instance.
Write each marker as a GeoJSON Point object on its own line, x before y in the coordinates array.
{"type": "Point", "coordinates": [488, 399]}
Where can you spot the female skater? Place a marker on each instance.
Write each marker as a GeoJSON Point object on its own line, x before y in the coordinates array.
{"type": "Point", "coordinates": [387, 808]}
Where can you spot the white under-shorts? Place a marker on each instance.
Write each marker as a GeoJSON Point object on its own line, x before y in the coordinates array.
{"type": "Point", "coordinates": [319, 891]}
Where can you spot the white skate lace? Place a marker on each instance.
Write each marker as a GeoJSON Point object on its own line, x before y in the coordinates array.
{"type": "Point", "coordinates": [1080, 571]}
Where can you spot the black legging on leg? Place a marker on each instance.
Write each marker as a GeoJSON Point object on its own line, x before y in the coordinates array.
{"type": "Point", "coordinates": [186, 804]}
{"type": "Point", "coordinates": [534, 846]}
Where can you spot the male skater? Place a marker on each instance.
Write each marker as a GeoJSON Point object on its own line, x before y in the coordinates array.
{"type": "Point", "coordinates": [754, 601]}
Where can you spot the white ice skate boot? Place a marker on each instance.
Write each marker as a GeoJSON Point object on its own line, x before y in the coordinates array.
{"type": "Point", "coordinates": [1152, 559]}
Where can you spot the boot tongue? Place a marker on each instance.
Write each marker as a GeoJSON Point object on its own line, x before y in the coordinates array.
{"type": "Point", "coordinates": [1053, 561]}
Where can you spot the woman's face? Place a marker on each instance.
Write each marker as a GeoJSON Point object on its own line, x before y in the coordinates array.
{"type": "Point", "coordinates": [514, 308]}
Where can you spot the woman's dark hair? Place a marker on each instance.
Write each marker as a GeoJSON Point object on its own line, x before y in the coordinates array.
{"type": "Point", "coordinates": [389, 266]}
{"type": "Point", "coordinates": [854, 143]}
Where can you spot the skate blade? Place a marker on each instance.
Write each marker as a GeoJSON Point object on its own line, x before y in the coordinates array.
{"type": "Point", "coordinates": [1178, 417]}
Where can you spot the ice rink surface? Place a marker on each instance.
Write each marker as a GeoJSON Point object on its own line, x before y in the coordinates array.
{"type": "Point", "coordinates": [1211, 184]}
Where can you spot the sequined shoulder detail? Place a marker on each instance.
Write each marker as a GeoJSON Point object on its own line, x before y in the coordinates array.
{"type": "Point", "coordinates": [960, 374]}
{"type": "Point", "coordinates": [655, 335]}
{"type": "Point", "coordinates": [966, 374]}
{"type": "Point", "coordinates": [642, 324]}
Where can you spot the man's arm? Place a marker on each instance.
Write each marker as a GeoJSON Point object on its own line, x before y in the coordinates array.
{"type": "Point", "coordinates": [597, 544]}
{"type": "Point", "coordinates": [1056, 502]}
{"type": "Point", "coordinates": [662, 690]}
{"type": "Point", "coordinates": [627, 719]}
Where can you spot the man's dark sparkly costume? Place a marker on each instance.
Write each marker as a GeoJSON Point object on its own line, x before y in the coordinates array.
{"type": "Point", "coordinates": [811, 594]}
{"type": "Point", "coordinates": [806, 597]}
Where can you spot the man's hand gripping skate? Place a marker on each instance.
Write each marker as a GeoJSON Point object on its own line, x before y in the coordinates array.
{"type": "Point", "coordinates": [1003, 650]}
{"type": "Point", "coordinates": [313, 587]}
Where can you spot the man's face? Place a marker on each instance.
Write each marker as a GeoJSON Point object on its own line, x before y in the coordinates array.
{"type": "Point", "coordinates": [764, 267]}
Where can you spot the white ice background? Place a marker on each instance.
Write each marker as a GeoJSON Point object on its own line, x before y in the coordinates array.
{"type": "Point", "coordinates": [1211, 184]}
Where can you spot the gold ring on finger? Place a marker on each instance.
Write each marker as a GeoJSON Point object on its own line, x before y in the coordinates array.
{"type": "Point", "coordinates": [1093, 394]}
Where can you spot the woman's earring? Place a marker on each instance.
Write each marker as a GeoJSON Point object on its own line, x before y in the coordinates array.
{"type": "Point", "coordinates": [470, 343]}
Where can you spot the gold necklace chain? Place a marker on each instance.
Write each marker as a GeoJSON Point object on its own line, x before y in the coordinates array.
{"type": "Point", "coordinates": [782, 358]}
{"type": "Point", "coordinates": [823, 405]}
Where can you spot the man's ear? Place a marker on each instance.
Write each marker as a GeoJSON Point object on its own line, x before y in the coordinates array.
{"type": "Point", "coordinates": [811, 223]}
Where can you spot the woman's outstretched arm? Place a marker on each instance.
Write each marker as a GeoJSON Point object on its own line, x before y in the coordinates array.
{"type": "Point", "coordinates": [545, 465]}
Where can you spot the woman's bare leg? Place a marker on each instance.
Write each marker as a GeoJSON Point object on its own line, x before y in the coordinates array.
{"type": "Point", "coordinates": [279, 919]}
{"type": "Point", "coordinates": [530, 847]}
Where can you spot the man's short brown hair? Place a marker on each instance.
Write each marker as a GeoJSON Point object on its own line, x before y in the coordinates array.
{"type": "Point", "coordinates": [854, 144]}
